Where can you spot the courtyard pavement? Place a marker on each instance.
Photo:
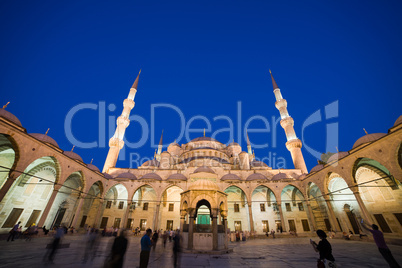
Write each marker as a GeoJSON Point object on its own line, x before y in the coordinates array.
{"type": "Point", "coordinates": [279, 252]}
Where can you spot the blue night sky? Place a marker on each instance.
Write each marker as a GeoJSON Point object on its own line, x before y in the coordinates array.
{"type": "Point", "coordinates": [204, 58]}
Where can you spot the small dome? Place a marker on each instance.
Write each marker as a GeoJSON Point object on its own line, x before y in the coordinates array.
{"type": "Point", "coordinates": [93, 167]}
{"type": "Point", "coordinates": [177, 177]}
{"type": "Point", "coordinates": [204, 185]}
{"type": "Point", "coordinates": [230, 177]}
{"type": "Point", "coordinates": [126, 175]}
{"type": "Point", "coordinates": [281, 176]}
{"type": "Point", "coordinates": [302, 177]}
{"type": "Point", "coordinates": [107, 176]}
{"type": "Point", "coordinates": [73, 155]}
{"type": "Point", "coordinates": [337, 156]}
{"type": "Point", "coordinates": [203, 139]}
{"type": "Point", "coordinates": [151, 163]}
{"type": "Point", "coordinates": [256, 177]}
{"type": "Point", "coordinates": [174, 144]}
{"type": "Point", "coordinates": [233, 144]}
{"type": "Point", "coordinates": [44, 138]}
{"type": "Point", "coordinates": [10, 117]}
{"type": "Point", "coordinates": [398, 121]}
{"type": "Point", "coordinates": [368, 138]}
{"type": "Point", "coordinates": [258, 164]}
{"type": "Point", "coordinates": [151, 176]}
{"type": "Point", "coordinates": [317, 168]}
{"type": "Point", "coordinates": [204, 169]}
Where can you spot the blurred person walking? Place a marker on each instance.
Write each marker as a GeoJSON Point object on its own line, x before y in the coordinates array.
{"type": "Point", "coordinates": [176, 249]}
{"type": "Point", "coordinates": [13, 232]}
{"type": "Point", "coordinates": [146, 245]}
{"type": "Point", "coordinates": [119, 249]}
{"type": "Point", "coordinates": [324, 248]}
{"type": "Point", "coordinates": [55, 244]}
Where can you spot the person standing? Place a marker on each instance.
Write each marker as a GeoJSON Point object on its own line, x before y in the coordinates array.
{"type": "Point", "coordinates": [382, 246]}
{"type": "Point", "coordinates": [176, 249]}
{"type": "Point", "coordinates": [155, 237]}
{"type": "Point", "coordinates": [164, 236]}
{"type": "Point", "coordinates": [146, 245]}
{"type": "Point", "coordinates": [273, 233]}
{"type": "Point", "coordinates": [119, 249]}
{"type": "Point", "coordinates": [13, 232]}
{"type": "Point", "coordinates": [325, 250]}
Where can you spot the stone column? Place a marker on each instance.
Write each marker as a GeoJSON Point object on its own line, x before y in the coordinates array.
{"type": "Point", "coordinates": [78, 211]}
{"type": "Point", "coordinates": [250, 215]}
{"type": "Point", "coordinates": [156, 217]}
{"type": "Point", "coordinates": [225, 227]}
{"type": "Point", "coordinates": [49, 205]}
{"type": "Point", "coordinates": [332, 217]}
{"type": "Point", "coordinates": [98, 214]}
{"type": "Point", "coordinates": [214, 231]}
{"type": "Point", "coordinates": [281, 215]}
{"type": "Point", "coordinates": [190, 230]}
{"type": "Point", "coordinates": [311, 216]}
{"type": "Point", "coordinates": [182, 218]}
{"type": "Point", "coordinates": [12, 176]}
{"type": "Point", "coordinates": [125, 217]}
{"type": "Point", "coordinates": [366, 215]}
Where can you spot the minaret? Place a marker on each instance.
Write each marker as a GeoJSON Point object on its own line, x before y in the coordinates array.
{"type": "Point", "coordinates": [293, 144]}
{"type": "Point", "coordinates": [116, 142]}
{"type": "Point", "coordinates": [158, 155]}
{"type": "Point", "coordinates": [249, 151]}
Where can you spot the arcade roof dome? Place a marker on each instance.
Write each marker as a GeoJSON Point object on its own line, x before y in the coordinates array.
{"type": "Point", "coordinates": [44, 138]}
{"type": "Point", "coordinates": [10, 117]}
{"type": "Point", "coordinates": [398, 121]}
{"type": "Point", "coordinates": [151, 176]}
{"type": "Point", "coordinates": [203, 184]}
{"type": "Point", "coordinates": [230, 177]}
{"type": "Point", "coordinates": [107, 176]}
{"type": "Point", "coordinates": [368, 138]}
{"type": "Point", "coordinates": [73, 155]}
{"type": "Point", "coordinates": [337, 156]}
{"type": "Point", "coordinates": [204, 169]}
{"type": "Point", "coordinates": [317, 168]}
{"type": "Point", "coordinates": [177, 177]}
{"type": "Point", "coordinates": [126, 175]}
{"type": "Point", "coordinates": [281, 176]}
{"type": "Point", "coordinates": [93, 167]}
{"type": "Point", "coordinates": [256, 176]}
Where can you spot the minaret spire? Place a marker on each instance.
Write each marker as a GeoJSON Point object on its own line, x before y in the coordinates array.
{"type": "Point", "coordinates": [249, 151]}
{"type": "Point", "coordinates": [293, 144]}
{"type": "Point", "coordinates": [116, 142]}
{"type": "Point", "coordinates": [158, 155]}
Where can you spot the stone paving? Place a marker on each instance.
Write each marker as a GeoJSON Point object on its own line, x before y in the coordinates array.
{"type": "Point", "coordinates": [279, 252]}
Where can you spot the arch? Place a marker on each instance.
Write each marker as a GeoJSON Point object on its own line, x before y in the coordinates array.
{"type": "Point", "coordinates": [8, 157]}
{"type": "Point", "coordinates": [170, 185]}
{"type": "Point", "coordinates": [200, 203]}
{"type": "Point", "coordinates": [399, 155]}
{"type": "Point", "coordinates": [377, 167]}
{"type": "Point", "coordinates": [98, 184]}
{"type": "Point", "coordinates": [268, 194]}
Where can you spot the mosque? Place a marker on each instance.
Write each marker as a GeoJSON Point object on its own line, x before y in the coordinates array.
{"type": "Point", "coordinates": [203, 187]}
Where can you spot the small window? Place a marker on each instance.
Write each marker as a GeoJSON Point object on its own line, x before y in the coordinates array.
{"type": "Point", "coordinates": [12, 218]}
{"type": "Point", "coordinates": [236, 208]}
{"type": "Point", "coordinates": [288, 207]}
{"type": "Point", "coordinates": [275, 207]}
{"type": "Point", "coordinates": [306, 227]}
{"type": "Point", "coordinates": [300, 205]}
{"type": "Point", "coordinates": [383, 223]}
{"type": "Point", "coordinates": [143, 224]}
{"type": "Point", "coordinates": [262, 207]}
{"type": "Point", "coordinates": [108, 204]}
{"type": "Point", "coordinates": [171, 207]}
{"type": "Point", "coordinates": [121, 204]}
{"type": "Point", "coordinates": [145, 206]}
{"type": "Point", "coordinates": [265, 226]}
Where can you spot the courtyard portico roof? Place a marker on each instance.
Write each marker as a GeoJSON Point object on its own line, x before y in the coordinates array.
{"type": "Point", "coordinates": [398, 121]}
{"type": "Point", "coordinates": [256, 177]}
{"type": "Point", "coordinates": [177, 177]}
{"type": "Point", "coordinates": [151, 176]}
{"type": "Point", "coordinates": [107, 176]}
{"type": "Point", "coordinates": [204, 169]}
{"type": "Point", "coordinates": [368, 138]}
{"type": "Point", "coordinates": [44, 138]}
{"type": "Point", "coordinates": [93, 167]}
{"type": "Point", "coordinates": [73, 155]}
{"type": "Point", "coordinates": [126, 175]}
{"type": "Point", "coordinates": [281, 176]}
{"type": "Point", "coordinates": [10, 117]}
{"type": "Point", "coordinates": [337, 156]}
{"type": "Point", "coordinates": [230, 177]}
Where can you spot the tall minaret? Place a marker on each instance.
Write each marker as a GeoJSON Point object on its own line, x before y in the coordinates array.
{"type": "Point", "coordinates": [116, 142]}
{"type": "Point", "coordinates": [250, 153]}
{"type": "Point", "coordinates": [158, 155]}
{"type": "Point", "coordinates": [293, 144]}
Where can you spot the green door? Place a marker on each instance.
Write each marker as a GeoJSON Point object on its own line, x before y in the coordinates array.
{"type": "Point", "coordinates": [203, 219]}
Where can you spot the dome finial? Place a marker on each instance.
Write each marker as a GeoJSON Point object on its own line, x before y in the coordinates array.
{"type": "Point", "coordinates": [5, 106]}
{"type": "Point", "coordinates": [72, 149]}
{"type": "Point", "coordinates": [365, 131]}
{"type": "Point", "coordinates": [47, 131]}
{"type": "Point", "coordinates": [92, 161]}
{"type": "Point", "coordinates": [204, 132]}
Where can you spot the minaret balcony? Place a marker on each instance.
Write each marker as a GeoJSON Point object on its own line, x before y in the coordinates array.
{"type": "Point", "coordinates": [281, 103]}
{"type": "Point", "coordinates": [115, 142]}
{"type": "Point", "coordinates": [286, 122]}
{"type": "Point", "coordinates": [292, 144]}
{"type": "Point", "coordinates": [128, 103]}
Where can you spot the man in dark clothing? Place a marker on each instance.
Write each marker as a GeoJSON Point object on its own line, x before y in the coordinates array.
{"type": "Point", "coordinates": [13, 232]}
{"type": "Point", "coordinates": [176, 249]}
{"type": "Point", "coordinates": [323, 247]}
{"type": "Point", "coordinates": [155, 237]}
{"type": "Point", "coordinates": [146, 245]}
{"type": "Point", "coordinates": [118, 250]}
{"type": "Point", "coordinates": [382, 246]}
